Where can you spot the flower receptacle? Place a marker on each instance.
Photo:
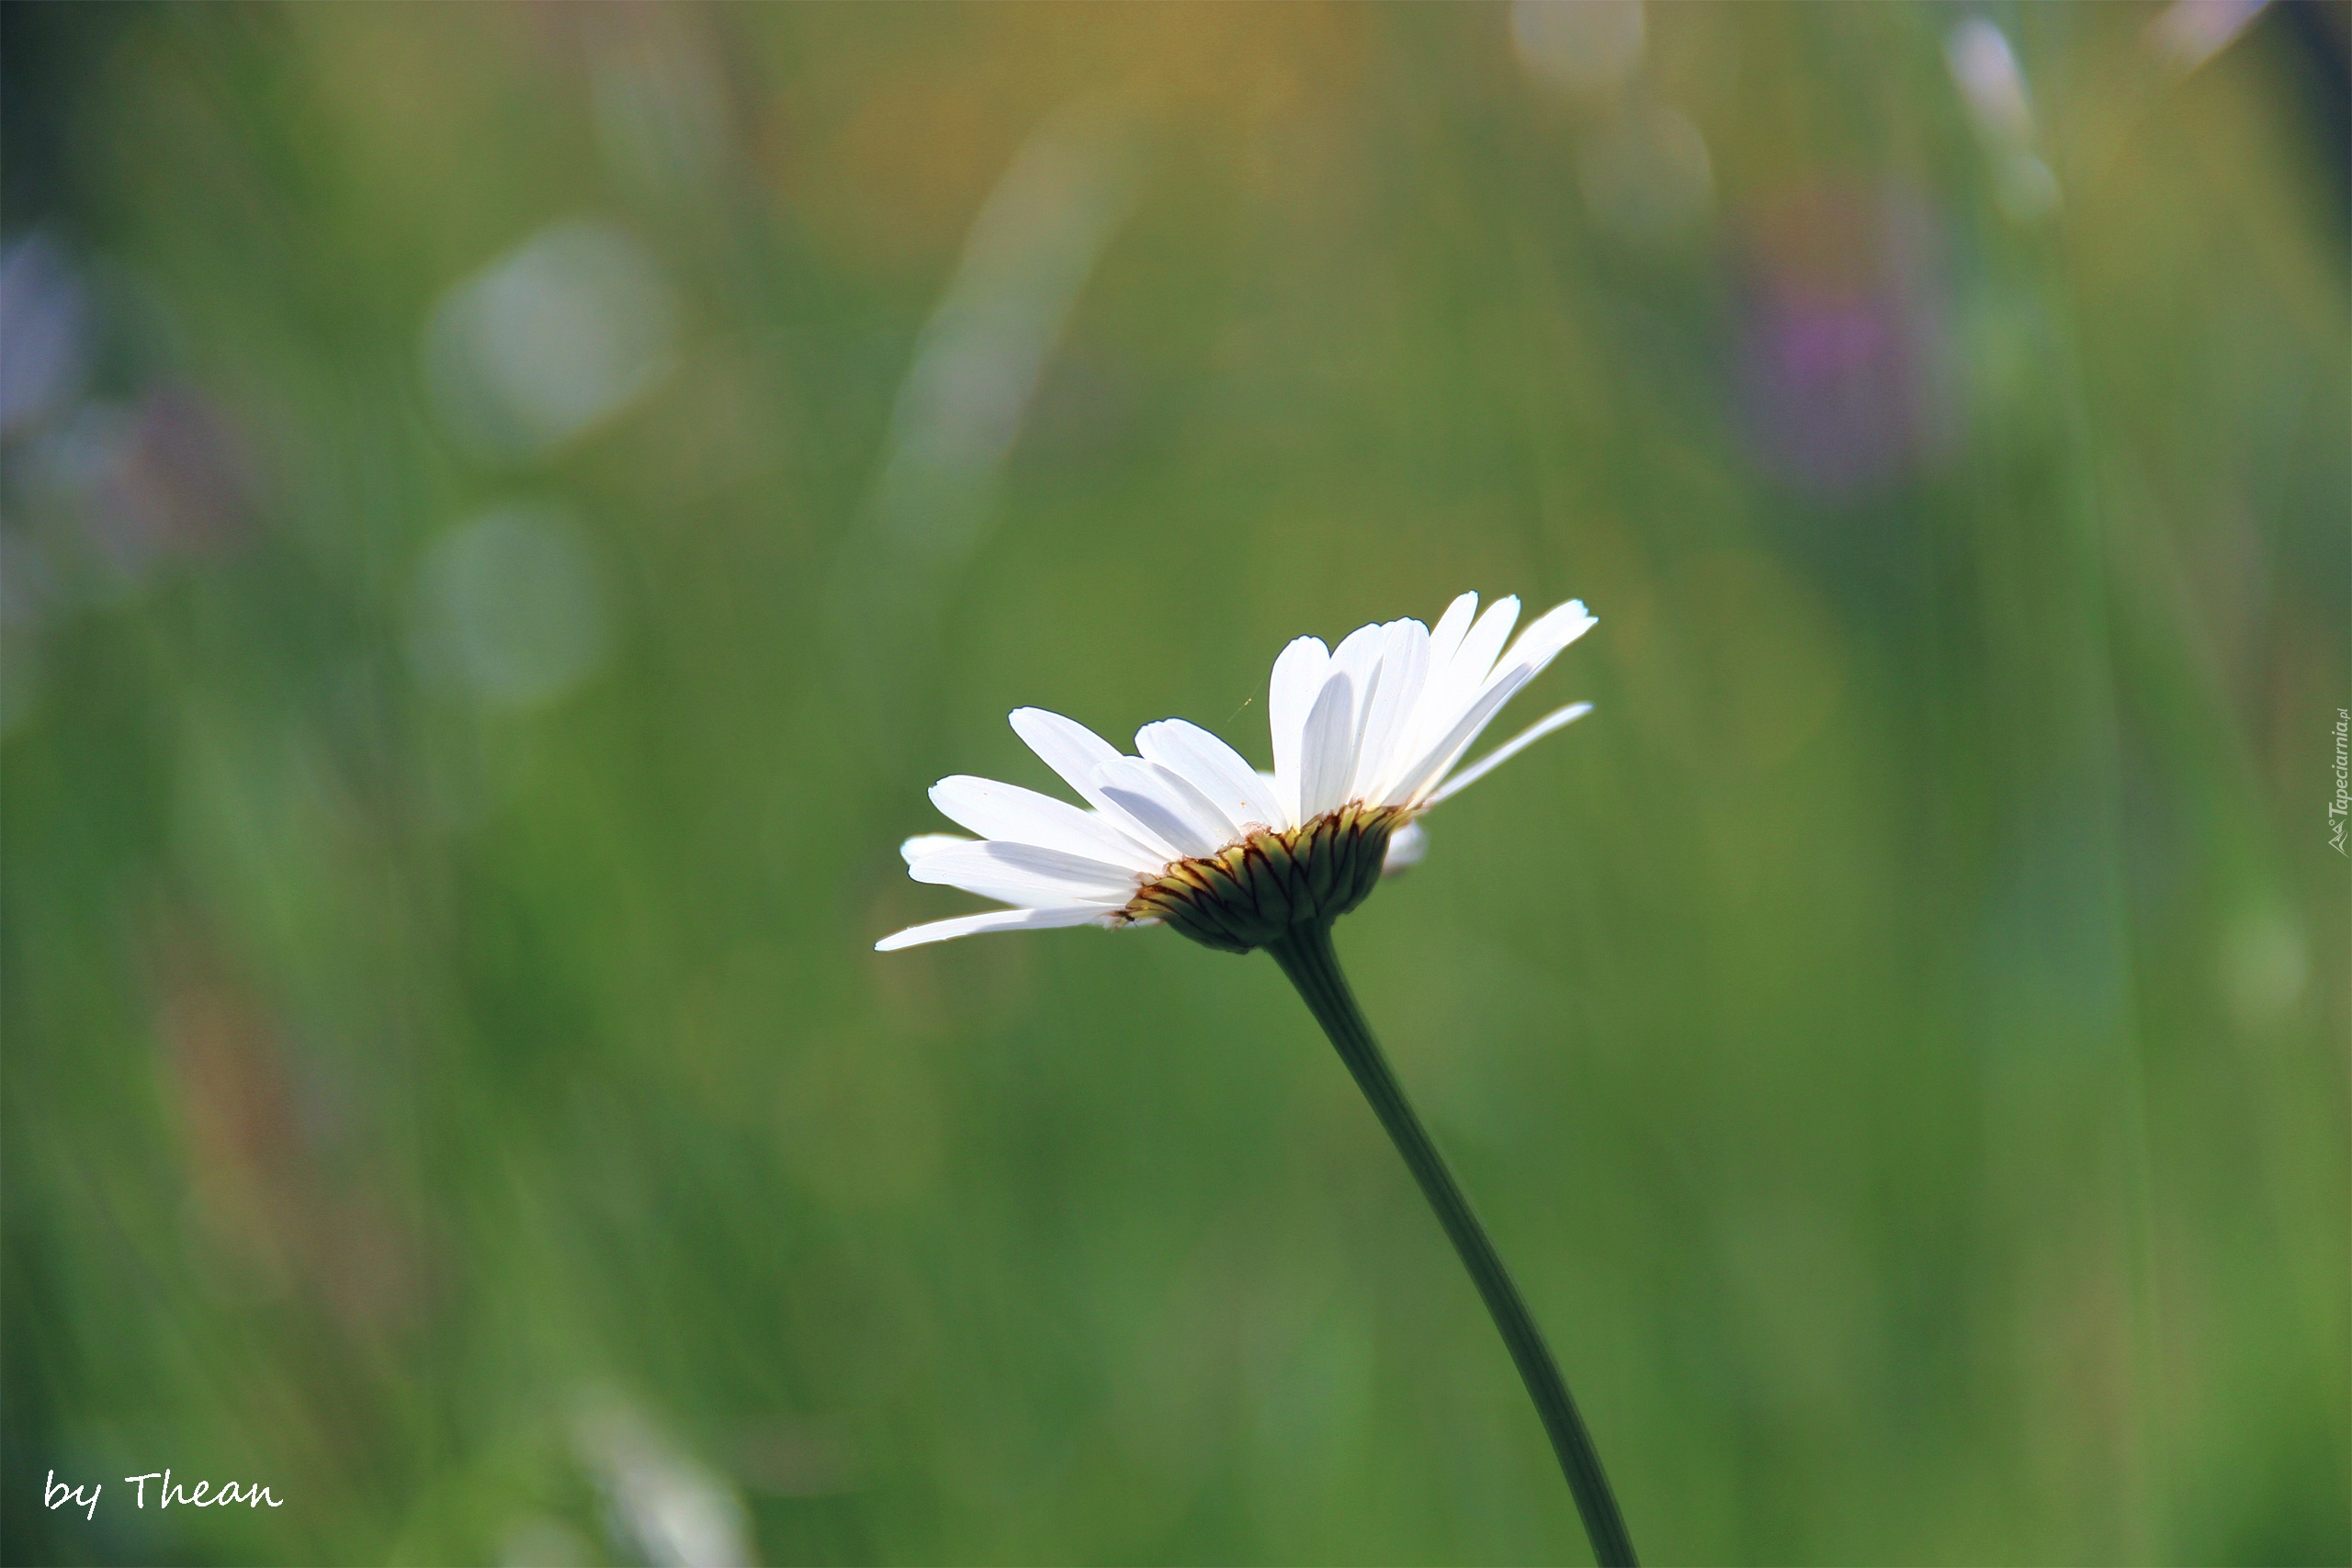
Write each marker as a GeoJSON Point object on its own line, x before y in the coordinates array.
{"type": "Point", "coordinates": [1255, 892]}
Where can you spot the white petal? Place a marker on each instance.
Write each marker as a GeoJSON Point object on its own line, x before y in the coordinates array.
{"type": "Point", "coordinates": [1542, 642]}
{"type": "Point", "coordinates": [1006, 811]}
{"type": "Point", "coordinates": [1327, 746]}
{"type": "Point", "coordinates": [1485, 640]}
{"type": "Point", "coordinates": [1451, 690]}
{"type": "Point", "coordinates": [1553, 630]}
{"type": "Point", "coordinates": [1212, 818]}
{"type": "Point", "coordinates": [1475, 660]}
{"type": "Point", "coordinates": [1025, 875]}
{"type": "Point", "coordinates": [1446, 636]}
{"type": "Point", "coordinates": [1445, 644]}
{"type": "Point", "coordinates": [1075, 751]}
{"type": "Point", "coordinates": [1062, 744]}
{"type": "Point", "coordinates": [1356, 655]}
{"type": "Point", "coordinates": [1290, 695]}
{"type": "Point", "coordinates": [1165, 804]}
{"type": "Point", "coordinates": [990, 920]}
{"type": "Point", "coordinates": [1214, 769]}
{"type": "Point", "coordinates": [1414, 782]}
{"type": "Point", "coordinates": [1403, 665]}
{"type": "Point", "coordinates": [1407, 846]}
{"type": "Point", "coordinates": [922, 844]}
{"type": "Point", "coordinates": [1510, 748]}
{"type": "Point", "coordinates": [1358, 658]}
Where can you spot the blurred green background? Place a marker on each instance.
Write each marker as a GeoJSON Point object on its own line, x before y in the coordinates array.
{"type": "Point", "coordinates": [507, 508]}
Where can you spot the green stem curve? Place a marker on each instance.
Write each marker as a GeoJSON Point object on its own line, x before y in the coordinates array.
{"type": "Point", "coordinates": [1308, 957]}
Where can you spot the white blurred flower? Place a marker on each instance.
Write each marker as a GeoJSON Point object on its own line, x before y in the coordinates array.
{"type": "Point", "coordinates": [675, 1512]}
{"type": "Point", "coordinates": [1031, 250]}
{"type": "Point", "coordinates": [2188, 33]}
{"type": "Point", "coordinates": [510, 607]}
{"type": "Point", "coordinates": [1985, 70]}
{"type": "Point", "coordinates": [1366, 737]}
{"type": "Point", "coordinates": [552, 339]}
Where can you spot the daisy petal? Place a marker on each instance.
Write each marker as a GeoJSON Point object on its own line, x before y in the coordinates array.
{"type": "Point", "coordinates": [1020, 816]}
{"type": "Point", "coordinates": [1075, 752]}
{"type": "Point", "coordinates": [1214, 769]}
{"type": "Point", "coordinates": [1403, 665]}
{"type": "Point", "coordinates": [1508, 748]}
{"type": "Point", "coordinates": [989, 921]}
{"type": "Point", "coordinates": [1553, 630]}
{"type": "Point", "coordinates": [1475, 660]}
{"type": "Point", "coordinates": [1150, 795]}
{"type": "Point", "coordinates": [1407, 846]}
{"type": "Point", "coordinates": [1414, 783]}
{"type": "Point", "coordinates": [1446, 636]}
{"type": "Point", "coordinates": [1025, 875]}
{"type": "Point", "coordinates": [1358, 658]}
{"type": "Point", "coordinates": [1327, 746]}
{"type": "Point", "coordinates": [1290, 695]}
{"type": "Point", "coordinates": [922, 844]}
{"type": "Point", "coordinates": [1454, 684]}
{"type": "Point", "coordinates": [1358, 652]}
{"type": "Point", "coordinates": [1197, 805]}
{"type": "Point", "coordinates": [1062, 744]}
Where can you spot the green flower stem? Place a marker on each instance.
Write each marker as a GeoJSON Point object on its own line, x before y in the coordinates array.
{"type": "Point", "coordinates": [1306, 956]}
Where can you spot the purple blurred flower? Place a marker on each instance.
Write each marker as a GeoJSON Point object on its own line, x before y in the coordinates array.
{"type": "Point", "coordinates": [1841, 360]}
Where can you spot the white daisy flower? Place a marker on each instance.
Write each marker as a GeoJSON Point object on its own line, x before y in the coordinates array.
{"type": "Point", "coordinates": [1366, 737]}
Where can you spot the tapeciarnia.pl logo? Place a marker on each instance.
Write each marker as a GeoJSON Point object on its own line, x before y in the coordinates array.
{"type": "Point", "coordinates": [2337, 807]}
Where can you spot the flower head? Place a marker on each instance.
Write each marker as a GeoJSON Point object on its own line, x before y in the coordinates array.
{"type": "Point", "coordinates": [1366, 737]}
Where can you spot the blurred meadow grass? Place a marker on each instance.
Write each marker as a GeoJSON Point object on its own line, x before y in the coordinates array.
{"type": "Point", "coordinates": [506, 508]}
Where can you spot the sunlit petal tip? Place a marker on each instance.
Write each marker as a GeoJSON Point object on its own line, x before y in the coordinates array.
{"type": "Point", "coordinates": [923, 844]}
